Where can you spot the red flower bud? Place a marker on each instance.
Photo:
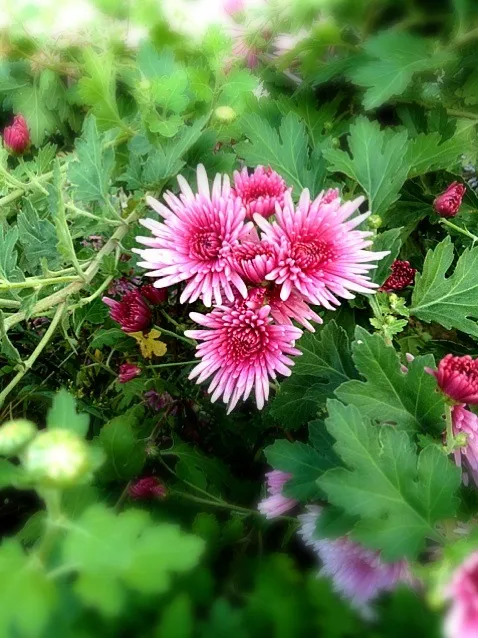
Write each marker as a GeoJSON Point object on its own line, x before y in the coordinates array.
{"type": "Point", "coordinates": [403, 275]}
{"type": "Point", "coordinates": [448, 203]}
{"type": "Point", "coordinates": [17, 136]}
{"type": "Point", "coordinates": [131, 312]}
{"type": "Point", "coordinates": [458, 378]}
{"type": "Point", "coordinates": [154, 295]}
{"type": "Point", "coordinates": [127, 372]}
{"type": "Point", "coordinates": [148, 487]}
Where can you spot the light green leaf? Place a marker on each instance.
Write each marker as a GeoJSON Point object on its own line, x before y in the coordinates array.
{"type": "Point", "coordinates": [38, 239]}
{"type": "Point", "coordinates": [27, 596]}
{"type": "Point", "coordinates": [125, 453]}
{"type": "Point", "coordinates": [388, 394]}
{"type": "Point", "coordinates": [169, 91]}
{"type": "Point", "coordinates": [399, 495]}
{"type": "Point", "coordinates": [177, 620]}
{"type": "Point", "coordinates": [449, 301]}
{"type": "Point", "coordinates": [427, 152]}
{"type": "Point", "coordinates": [394, 58]}
{"type": "Point", "coordinates": [63, 415]}
{"type": "Point", "coordinates": [97, 88]}
{"type": "Point", "coordinates": [8, 255]}
{"type": "Point", "coordinates": [388, 240]}
{"type": "Point", "coordinates": [7, 348]}
{"type": "Point", "coordinates": [90, 172]}
{"type": "Point", "coordinates": [285, 150]}
{"type": "Point", "coordinates": [153, 64]}
{"type": "Point", "coordinates": [376, 162]}
{"type": "Point", "coordinates": [30, 102]}
{"type": "Point", "coordinates": [325, 364]}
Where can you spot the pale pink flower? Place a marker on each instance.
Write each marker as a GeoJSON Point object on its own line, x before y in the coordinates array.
{"type": "Point", "coordinates": [320, 255]}
{"type": "Point", "coordinates": [197, 240]}
{"type": "Point", "coordinates": [260, 191]}
{"type": "Point", "coordinates": [462, 618]}
{"type": "Point", "coordinates": [358, 574]}
{"type": "Point", "coordinates": [241, 348]}
{"type": "Point", "coordinates": [276, 503]}
{"type": "Point", "coordinates": [254, 260]}
{"type": "Point", "coordinates": [466, 422]}
{"type": "Point", "coordinates": [295, 307]}
{"type": "Point", "coordinates": [458, 378]}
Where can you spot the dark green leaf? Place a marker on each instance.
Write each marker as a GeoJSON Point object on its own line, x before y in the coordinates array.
{"type": "Point", "coordinates": [388, 240]}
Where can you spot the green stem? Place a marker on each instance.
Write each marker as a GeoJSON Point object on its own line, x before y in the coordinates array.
{"type": "Point", "coordinates": [171, 365]}
{"type": "Point", "coordinates": [190, 342]}
{"type": "Point", "coordinates": [52, 498]}
{"type": "Point", "coordinates": [223, 504]}
{"type": "Point", "coordinates": [84, 213]}
{"type": "Point", "coordinates": [170, 319]}
{"type": "Point", "coordinates": [450, 439]}
{"type": "Point", "coordinates": [36, 283]}
{"type": "Point", "coordinates": [34, 355]}
{"type": "Point", "coordinates": [9, 303]}
{"type": "Point", "coordinates": [458, 229]}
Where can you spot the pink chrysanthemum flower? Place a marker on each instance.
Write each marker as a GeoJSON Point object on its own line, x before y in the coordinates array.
{"type": "Point", "coordinates": [358, 574]}
{"type": "Point", "coordinates": [254, 260]}
{"type": "Point", "coordinates": [403, 275]}
{"type": "Point", "coordinates": [131, 312]}
{"type": "Point", "coordinates": [276, 503]}
{"type": "Point", "coordinates": [295, 307]}
{"type": "Point", "coordinates": [320, 255]}
{"type": "Point", "coordinates": [260, 191]}
{"type": "Point", "coordinates": [128, 371]}
{"type": "Point", "coordinates": [146, 488]}
{"type": "Point", "coordinates": [458, 378]}
{"type": "Point", "coordinates": [466, 423]}
{"type": "Point", "coordinates": [241, 348]}
{"type": "Point", "coordinates": [197, 240]}
{"type": "Point", "coordinates": [462, 618]}
{"type": "Point", "coordinates": [16, 137]}
{"type": "Point", "coordinates": [448, 203]}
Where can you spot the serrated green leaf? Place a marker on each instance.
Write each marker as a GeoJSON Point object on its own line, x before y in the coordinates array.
{"type": "Point", "coordinates": [177, 620]}
{"type": "Point", "coordinates": [7, 347]}
{"type": "Point", "coordinates": [375, 162]}
{"type": "Point", "coordinates": [108, 337]}
{"type": "Point", "coordinates": [399, 495]}
{"type": "Point", "coordinates": [30, 102]}
{"type": "Point", "coordinates": [125, 454]}
{"type": "Point", "coordinates": [449, 301]}
{"type": "Point", "coordinates": [38, 239]}
{"type": "Point", "coordinates": [325, 364]}
{"type": "Point", "coordinates": [169, 91]}
{"type": "Point", "coordinates": [428, 152]}
{"type": "Point", "coordinates": [388, 240]}
{"type": "Point", "coordinates": [154, 64]}
{"type": "Point", "coordinates": [27, 595]}
{"type": "Point", "coordinates": [285, 150]}
{"type": "Point", "coordinates": [63, 415]}
{"type": "Point", "coordinates": [97, 88]}
{"type": "Point", "coordinates": [390, 395]}
{"type": "Point", "coordinates": [93, 313]}
{"type": "Point", "coordinates": [9, 270]}
{"type": "Point", "coordinates": [394, 58]}
{"type": "Point", "coordinates": [90, 173]}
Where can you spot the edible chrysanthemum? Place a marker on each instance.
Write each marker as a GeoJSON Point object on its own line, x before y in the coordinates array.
{"type": "Point", "coordinates": [403, 275]}
{"type": "Point", "coordinates": [197, 240]}
{"type": "Point", "coordinates": [462, 617]}
{"type": "Point", "coordinates": [320, 254]}
{"type": "Point", "coordinates": [260, 191]}
{"type": "Point", "coordinates": [276, 504]}
{"type": "Point", "coordinates": [131, 312]}
{"type": "Point", "coordinates": [241, 349]}
{"type": "Point", "coordinates": [448, 203]}
{"type": "Point", "coordinates": [458, 378]}
{"type": "Point", "coordinates": [16, 137]}
{"type": "Point", "coordinates": [465, 424]}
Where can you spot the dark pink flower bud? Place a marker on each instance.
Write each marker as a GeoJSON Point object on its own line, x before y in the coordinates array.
{"type": "Point", "coordinates": [448, 203]}
{"type": "Point", "coordinates": [131, 312]}
{"type": "Point", "coordinates": [148, 487]}
{"type": "Point", "coordinates": [16, 137]}
{"type": "Point", "coordinates": [127, 372]}
{"type": "Point", "coordinates": [458, 378]}
{"type": "Point", "coordinates": [154, 295]}
{"type": "Point", "coordinates": [403, 275]}
{"type": "Point", "coordinates": [260, 191]}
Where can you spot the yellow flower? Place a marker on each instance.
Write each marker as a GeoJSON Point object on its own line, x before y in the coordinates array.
{"type": "Point", "coordinates": [150, 344]}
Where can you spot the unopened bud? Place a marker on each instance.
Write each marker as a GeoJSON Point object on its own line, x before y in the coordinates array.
{"type": "Point", "coordinates": [374, 221]}
{"type": "Point", "coordinates": [225, 114]}
{"type": "Point", "coordinates": [461, 440]}
{"type": "Point", "coordinates": [57, 458]}
{"type": "Point", "coordinates": [14, 435]}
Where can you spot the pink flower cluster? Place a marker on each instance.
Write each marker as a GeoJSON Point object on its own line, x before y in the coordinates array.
{"type": "Point", "coordinates": [260, 272]}
{"type": "Point", "coordinates": [462, 618]}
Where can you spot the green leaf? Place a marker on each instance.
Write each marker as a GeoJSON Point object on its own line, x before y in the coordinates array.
{"type": "Point", "coordinates": [399, 495]}
{"type": "Point", "coordinates": [97, 88]}
{"type": "Point", "coordinates": [376, 162]}
{"type": "Point", "coordinates": [388, 240]}
{"type": "Point", "coordinates": [93, 313]}
{"type": "Point", "coordinates": [177, 620]}
{"type": "Point", "coordinates": [449, 301]}
{"type": "Point", "coordinates": [153, 64]}
{"type": "Point", "coordinates": [27, 594]}
{"type": "Point", "coordinates": [7, 348]}
{"type": "Point", "coordinates": [239, 85]}
{"type": "Point", "coordinates": [388, 394]}
{"type": "Point", "coordinates": [116, 553]}
{"type": "Point", "coordinates": [169, 91]}
{"type": "Point", "coordinates": [285, 150]}
{"type": "Point", "coordinates": [38, 239]}
{"type": "Point", "coordinates": [325, 364]}
{"type": "Point", "coordinates": [8, 255]}
{"type": "Point", "coordinates": [31, 103]}
{"type": "Point", "coordinates": [394, 58]}
{"type": "Point", "coordinates": [11, 475]}
{"type": "Point", "coordinates": [427, 152]}
{"type": "Point", "coordinates": [109, 337]}
{"type": "Point", "coordinates": [63, 415]}
{"type": "Point", "coordinates": [125, 452]}
{"type": "Point", "coordinates": [304, 462]}
{"type": "Point", "coordinates": [90, 173]}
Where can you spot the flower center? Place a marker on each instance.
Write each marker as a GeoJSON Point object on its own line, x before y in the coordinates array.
{"type": "Point", "coordinates": [205, 245]}
{"type": "Point", "coordinates": [311, 254]}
